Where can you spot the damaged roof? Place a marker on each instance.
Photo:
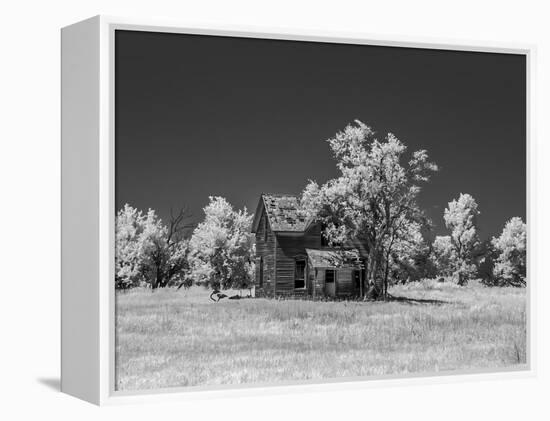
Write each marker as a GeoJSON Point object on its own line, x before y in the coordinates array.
{"type": "Point", "coordinates": [283, 212]}
{"type": "Point", "coordinates": [333, 258]}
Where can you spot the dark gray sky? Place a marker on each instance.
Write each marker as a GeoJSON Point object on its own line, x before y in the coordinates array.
{"type": "Point", "coordinates": [202, 115]}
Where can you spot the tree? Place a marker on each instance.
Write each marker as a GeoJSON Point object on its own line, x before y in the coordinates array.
{"type": "Point", "coordinates": [511, 246]}
{"type": "Point", "coordinates": [408, 255]}
{"type": "Point", "coordinates": [164, 250]}
{"type": "Point", "coordinates": [486, 258]}
{"type": "Point", "coordinates": [461, 218]}
{"type": "Point", "coordinates": [147, 251]}
{"type": "Point", "coordinates": [373, 193]}
{"type": "Point", "coordinates": [222, 248]}
{"type": "Point", "coordinates": [443, 255]}
{"type": "Point", "coordinates": [130, 224]}
{"type": "Point", "coordinates": [404, 250]}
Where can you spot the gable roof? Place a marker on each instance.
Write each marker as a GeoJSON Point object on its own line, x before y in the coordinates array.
{"type": "Point", "coordinates": [283, 212]}
{"type": "Point", "coordinates": [334, 258]}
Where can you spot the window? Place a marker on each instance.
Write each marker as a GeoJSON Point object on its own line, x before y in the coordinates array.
{"type": "Point", "coordinates": [329, 276]}
{"type": "Point", "coordinates": [266, 226]}
{"type": "Point", "coordinates": [261, 284]}
{"type": "Point", "coordinates": [300, 274]}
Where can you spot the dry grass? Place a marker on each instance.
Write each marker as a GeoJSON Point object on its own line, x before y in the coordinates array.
{"type": "Point", "coordinates": [180, 338]}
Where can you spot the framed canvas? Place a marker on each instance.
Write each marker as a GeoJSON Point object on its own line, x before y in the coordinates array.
{"type": "Point", "coordinates": [246, 210]}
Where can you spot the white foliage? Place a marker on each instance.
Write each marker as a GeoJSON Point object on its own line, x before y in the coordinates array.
{"type": "Point", "coordinates": [374, 189]}
{"type": "Point", "coordinates": [511, 245]}
{"type": "Point", "coordinates": [408, 239]}
{"type": "Point", "coordinates": [143, 252]}
{"type": "Point", "coordinates": [408, 250]}
{"type": "Point", "coordinates": [221, 247]}
{"type": "Point", "coordinates": [443, 255]}
{"type": "Point", "coordinates": [461, 219]}
{"type": "Point", "coordinates": [130, 224]}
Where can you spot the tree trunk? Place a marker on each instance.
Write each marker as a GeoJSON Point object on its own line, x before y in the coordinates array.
{"type": "Point", "coordinates": [461, 279]}
{"type": "Point", "coordinates": [374, 286]}
{"type": "Point", "coordinates": [361, 282]}
{"type": "Point", "coordinates": [158, 279]}
{"type": "Point", "coordinates": [386, 273]}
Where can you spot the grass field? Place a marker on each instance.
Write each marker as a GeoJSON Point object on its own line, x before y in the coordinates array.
{"type": "Point", "coordinates": [171, 338]}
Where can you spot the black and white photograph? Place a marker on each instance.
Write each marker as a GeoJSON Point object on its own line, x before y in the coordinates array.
{"type": "Point", "coordinates": [299, 212]}
{"type": "Point", "coordinates": [275, 211]}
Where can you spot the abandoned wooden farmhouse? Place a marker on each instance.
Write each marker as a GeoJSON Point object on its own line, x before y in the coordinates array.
{"type": "Point", "coordinates": [294, 259]}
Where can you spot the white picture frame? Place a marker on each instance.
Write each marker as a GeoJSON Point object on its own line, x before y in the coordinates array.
{"type": "Point", "coordinates": [88, 212]}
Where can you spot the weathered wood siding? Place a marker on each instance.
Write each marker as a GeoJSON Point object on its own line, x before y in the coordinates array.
{"type": "Point", "coordinates": [266, 250]}
{"type": "Point", "coordinates": [280, 251]}
{"type": "Point", "coordinates": [344, 281]}
{"type": "Point", "coordinates": [290, 247]}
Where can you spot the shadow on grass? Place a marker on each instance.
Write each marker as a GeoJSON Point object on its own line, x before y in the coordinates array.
{"type": "Point", "coordinates": [416, 301]}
